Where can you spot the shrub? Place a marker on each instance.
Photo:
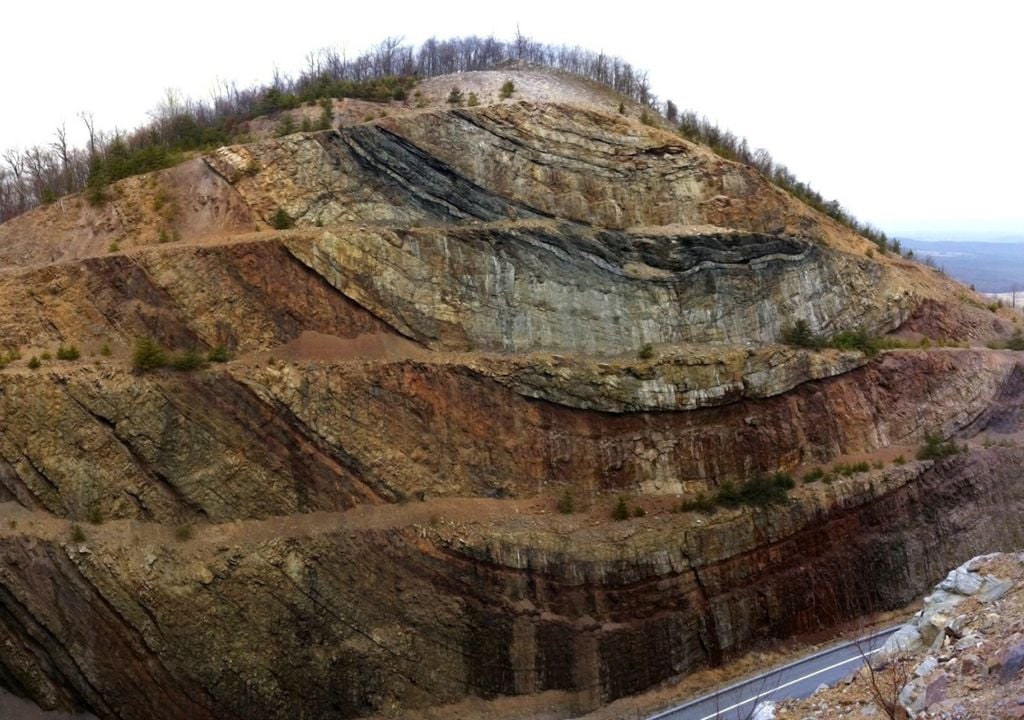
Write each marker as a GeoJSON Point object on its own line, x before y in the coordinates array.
{"type": "Point", "coordinates": [622, 109]}
{"type": "Point", "coordinates": [848, 470]}
{"type": "Point", "coordinates": [935, 447]}
{"type": "Point", "coordinates": [188, 360]}
{"type": "Point", "coordinates": [900, 460]}
{"type": "Point", "coordinates": [762, 490]}
{"type": "Point", "coordinates": [800, 335]}
{"type": "Point", "coordinates": [45, 355]}
{"type": "Point", "coordinates": [783, 480]}
{"type": "Point", "coordinates": [96, 193]}
{"type": "Point", "coordinates": [646, 352]}
{"type": "Point", "coordinates": [148, 355]}
{"type": "Point", "coordinates": [1016, 342]}
{"type": "Point", "coordinates": [34, 363]}
{"type": "Point", "coordinates": [702, 504]}
{"type": "Point", "coordinates": [646, 119]}
{"type": "Point", "coordinates": [728, 496]}
{"type": "Point", "coordinates": [218, 354]}
{"type": "Point", "coordinates": [565, 504]}
{"type": "Point", "coordinates": [326, 115]}
{"type": "Point", "coordinates": [183, 533]}
{"type": "Point", "coordinates": [855, 340]}
{"type": "Point", "coordinates": [281, 220]}
{"type": "Point", "coordinates": [621, 511]}
{"type": "Point", "coordinates": [68, 353]}
{"type": "Point", "coordinates": [507, 90]}
{"type": "Point", "coordinates": [473, 100]}
{"type": "Point", "coordinates": [77, 534]}
{"type": "Point", "coordinates": [814, 475]}
{"type": "Point", "coordinates": [759, 491]}
{"type": "Point", "coordinates": [94, 514]}
{"type": "Point", "coordinates": [113, 247]}
{"type": "Point", "coordinates": [639, 512]}
{"type": "Point", "coordinates": [105, 350]}
{"type": "Point", "coordinates": [285, 127]}
{"type": "Point", "coordinates": [455, 97]}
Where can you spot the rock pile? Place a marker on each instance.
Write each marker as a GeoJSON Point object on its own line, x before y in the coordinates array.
{"type": "Point", "coordinates": [959, 658]}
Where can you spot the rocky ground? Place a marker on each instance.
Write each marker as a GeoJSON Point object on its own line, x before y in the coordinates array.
{"type": "Point", "coordinates": [961, 657]}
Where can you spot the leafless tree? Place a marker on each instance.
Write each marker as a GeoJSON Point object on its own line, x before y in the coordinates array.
{"type": "Point", "coordinates": [887, 679]}
{"type": "Point", "coordinates": [90, 126]}
{"type": "Point", "coordinates": [178, 120]}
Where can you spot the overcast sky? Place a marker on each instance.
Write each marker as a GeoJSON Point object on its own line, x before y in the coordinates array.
{"type": "Point", "coordinates": [908, 113]}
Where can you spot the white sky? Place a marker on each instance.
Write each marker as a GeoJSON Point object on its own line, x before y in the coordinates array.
{"type": "Point", "coordinates": [909, 113]}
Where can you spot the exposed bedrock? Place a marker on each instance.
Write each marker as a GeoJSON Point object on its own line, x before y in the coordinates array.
{"type": "Point", "coordinates": [477, 311]}
{"type": "Point", "coordinates": [567, 287]}
{"type": "Point", "coordinates": [388, 617]}
{"type": "Point", "coordinates": [509, 287]}
{"type": "Point", "coordinates": [286, 437]}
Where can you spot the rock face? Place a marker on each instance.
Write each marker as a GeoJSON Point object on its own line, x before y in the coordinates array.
{"type": "Point", "coordinates": [960, 656]}
{"type": "Point", "coordinates": [479, 312]}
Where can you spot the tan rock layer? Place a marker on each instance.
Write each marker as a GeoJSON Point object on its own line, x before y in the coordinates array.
{"type": "Point", "coordinates": [289, 438]}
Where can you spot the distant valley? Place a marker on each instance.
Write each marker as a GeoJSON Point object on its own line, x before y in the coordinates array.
{"type": "Point", "coordinates": [991, 265]}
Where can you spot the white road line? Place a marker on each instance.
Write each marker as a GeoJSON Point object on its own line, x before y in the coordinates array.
{"type": "Point", "coordinates": [791, 682]}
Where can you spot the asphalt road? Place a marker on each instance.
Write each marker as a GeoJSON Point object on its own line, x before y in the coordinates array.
{"type": "Point", "coordinates": [795, 680]}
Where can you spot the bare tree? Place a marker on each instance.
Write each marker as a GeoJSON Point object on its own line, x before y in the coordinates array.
{"type": "Point", "coordinates": [90, 126]}
{"type": "Point", "coordinates": [887, 679]}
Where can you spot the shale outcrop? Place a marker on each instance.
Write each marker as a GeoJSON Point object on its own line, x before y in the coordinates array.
{"type": "Point", "coordinates": [479, 313]}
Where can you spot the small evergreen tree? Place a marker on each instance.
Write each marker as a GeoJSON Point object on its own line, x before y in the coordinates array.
{"type": "Point", "coordinates": [565, 503]}
{"type": "Point", "coordinates": [621, 511]}
{"type": "Point", "coordinates": [285, 127]}
{"type": "Point", "coordinates": [326, 115]}
{"type": "Point", "coordinates": [455, 97]}
{"type": "Point", "coordinates": [148, 355]}
{"type": "Point", "coordinates": [68, 353]}
{"type": "Point", "coordinates": [507, 90]}
{"type": "Point", "coordinates": [281, 220]}
{"type": "Point", "coordinates": [188, 360]}
{"type": "Point", "coordinates": [218, 354]}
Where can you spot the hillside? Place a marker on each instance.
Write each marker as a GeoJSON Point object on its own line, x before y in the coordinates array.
{"type": "Point", "coordinates": [960, 656]}
{"type": "Point", "coordinates": [455, 338]}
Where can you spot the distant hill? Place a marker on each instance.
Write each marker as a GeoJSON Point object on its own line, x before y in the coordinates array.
{"type": "Point", "coordinates": [991, 266]}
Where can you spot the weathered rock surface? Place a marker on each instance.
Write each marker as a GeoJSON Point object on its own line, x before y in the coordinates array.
{"type": "Point", "coordinates": [354, 515]}
{"type": "Point", "coordinates": [286, 438]}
